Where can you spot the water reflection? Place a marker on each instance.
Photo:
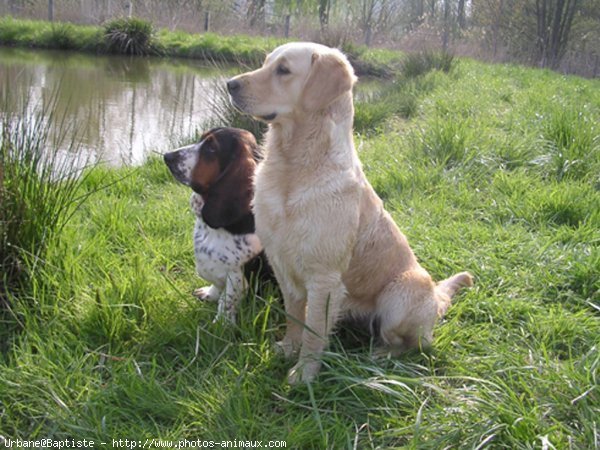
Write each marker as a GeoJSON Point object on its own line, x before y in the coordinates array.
{"type": "Point", "coordinates": [119, 108]}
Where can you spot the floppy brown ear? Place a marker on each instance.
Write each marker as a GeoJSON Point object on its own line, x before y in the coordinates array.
{"type": "Point", "coordinates": [228, 201]}
{"type": "Point", "coordinates": [330, 77]}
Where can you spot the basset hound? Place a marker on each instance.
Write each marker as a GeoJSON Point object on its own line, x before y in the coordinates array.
{"type": "Point", "coordinates": [219, 170]}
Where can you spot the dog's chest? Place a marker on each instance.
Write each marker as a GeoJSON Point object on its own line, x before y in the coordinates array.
{"type": "Point", "coordinates": [277, 202]}
{"type": "Point", "coordinates": [295, 213]}
{"type": "Point", "coordinates": [217, 250]}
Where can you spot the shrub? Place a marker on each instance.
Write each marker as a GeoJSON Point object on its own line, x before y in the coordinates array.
{"type": "Point", "coordinates": [368, 115]}
{"type": "Point", "coordinates": [38, 193]}
{"type": "Point", "coordinates": [60, 36]}
{"type": "Point", "coordinates": [10, 30]}
{"type": "Point", "coordinates": [395, 99]}
{"type": "Point", "coordinates": [417, 64]}
{"type": "Point", "coordinates": [129, 36]}
{"type": "Point", "coordinates": [447, 144]}
{"type": "Point", "coordinates": [571, 144]}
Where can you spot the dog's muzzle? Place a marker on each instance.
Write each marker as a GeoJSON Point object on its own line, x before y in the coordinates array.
{"type": "Point", "coordinates": [233, 86]}
{"type": "Point", "coordinates": [234, 89]}
{"type": "Point", "coordinates": [269, 117]}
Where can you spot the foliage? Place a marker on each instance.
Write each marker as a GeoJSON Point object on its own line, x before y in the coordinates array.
{"type": "Point", "coordinates": [538, 32]}
{"type": "Point", "coordinates": [554, 21]}
{"type": "Point", "coordinates": [239, 49]}
{"type": "Point", "coordinates": [560, 34]}
{"type": "Point", "coordinates": [38, 194]}
{"type": "Point", "coordinates": [130, 36]}
{"type": "Point", "coordinates": [61, 36]}
{"type": "Point", "coordinates": [117, 347]}
{"type": "Point", "coordinates": [224, 114]}
{"type": "Point", "coordinates": [399, 98]}
{"type": "Point", "coordinates": [419, 63]}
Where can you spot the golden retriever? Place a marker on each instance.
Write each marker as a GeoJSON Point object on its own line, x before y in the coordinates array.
{"type": "Point", "coordinates": [333, 247]}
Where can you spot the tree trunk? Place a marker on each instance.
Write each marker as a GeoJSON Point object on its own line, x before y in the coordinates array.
{"type": "Point", "coordinates": [367, 13]}
{"type": "Point", "coordinates": [496, 27]}
{"type": "Point", "coordinates": [446, 31]}
{"type": "Point", "coordinates": [256, 12]}
{"type": "Point", "coordinates": [462, 23]}
{"type": "Point", "coordinates": [554, 22]}
{"type": "Point", "coordinates": [324, 7]}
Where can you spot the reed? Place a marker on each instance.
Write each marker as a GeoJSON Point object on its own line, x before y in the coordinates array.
{"type": "Point", "coordinates": [39, 191]}
{"type": "Point", "coordinates": [130, 36]}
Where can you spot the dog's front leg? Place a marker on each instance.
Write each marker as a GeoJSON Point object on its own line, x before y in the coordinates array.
{"type": "Point", "coordinates": [235, 286]}
{"type": "Point", "coordinates": [210, 293]}
{"type": "Point", "coordinates": [325, 295]}
{"type": "Point", "coordinates": [294, 300]}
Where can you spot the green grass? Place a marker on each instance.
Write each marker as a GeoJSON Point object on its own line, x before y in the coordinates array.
{"type": "Point", "coordinates": [399, 98]}
{"type": "Point", "coordinates": [135, 36]}
{"type": "Point", "coordinates": [419, 63]}
{"type": "Point", "coordinates": [39, 191]}
{"type": "Point", "coordinates": [129, 36]}
{"type": "Point", "coordinates": [495, 171]}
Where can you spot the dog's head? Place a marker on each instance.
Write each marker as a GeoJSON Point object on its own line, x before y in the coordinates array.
{"type": "Point", "coordinates": [219, 168]}
{"type": "Point", "coordinates": [295, 78]}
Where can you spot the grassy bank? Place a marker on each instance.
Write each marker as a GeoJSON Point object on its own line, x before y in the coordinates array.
{"type": "Point", "coordinates": [495, 170]}
{"type": "Point", "coordinates": [39, 192]}
{"type": "Point", "coordinates": [134, 36]}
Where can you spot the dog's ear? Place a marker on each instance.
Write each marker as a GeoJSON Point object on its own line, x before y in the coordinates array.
{"type": "Point", "coordinates": [330, 76]}
{"type": "Point", "coordinates": [229, 199]}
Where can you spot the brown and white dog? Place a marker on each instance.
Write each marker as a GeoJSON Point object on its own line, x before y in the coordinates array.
{"type": "Point", "coordinates": [333, 247]}
{"type": "Point", "coordinates": [219, 169]}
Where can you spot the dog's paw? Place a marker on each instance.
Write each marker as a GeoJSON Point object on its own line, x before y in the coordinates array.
{"type": "Point", "coordinates": [227, 317]}
{"type": "Point", "coordinates": [286, 348]}
{"type": "Point", "coordinates": [381, 353]}
{"type": "Point", "coordinates": [304, 371]}
{"type": "Point", "coordinates": [207, 294]}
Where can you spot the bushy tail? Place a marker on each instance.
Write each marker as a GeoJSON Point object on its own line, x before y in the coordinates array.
{"type": "Point", "coordinates": [445, 289]}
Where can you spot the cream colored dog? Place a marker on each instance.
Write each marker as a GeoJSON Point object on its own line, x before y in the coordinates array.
{"type": "Point", "coordinates": [333, 247]}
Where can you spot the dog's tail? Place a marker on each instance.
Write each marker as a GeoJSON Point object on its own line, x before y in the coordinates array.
{"type": "Point", "coordinates": [445, 289]}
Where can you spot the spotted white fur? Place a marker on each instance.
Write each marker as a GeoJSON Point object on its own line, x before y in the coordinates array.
{"type": "Point", "coordinates": [220, 258]}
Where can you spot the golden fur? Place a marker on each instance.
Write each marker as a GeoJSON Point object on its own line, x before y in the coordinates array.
{"type": "Point", "coordinates": [333, 247]}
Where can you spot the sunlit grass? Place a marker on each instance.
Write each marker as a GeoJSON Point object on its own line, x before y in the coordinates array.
{"type": "Point", "coordinates": [129, 36]}
{"type": "Point", "coordinates": [135, 36]}
{"type": "Point", "coordinates": [476, 176]}
{"type": "Point", "coordinates": [39, 193]}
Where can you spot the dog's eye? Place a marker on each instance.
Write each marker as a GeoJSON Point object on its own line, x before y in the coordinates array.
{"type": "Point", "coordinates": [282, 70]}
{"type": "Point", "coordinates": [207, 150]}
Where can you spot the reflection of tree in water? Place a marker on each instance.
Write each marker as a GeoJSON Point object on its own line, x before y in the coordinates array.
{"type": "Point", "coordinates": [127, 68]}
{"type": "Point", "coordinates": [124, 107]}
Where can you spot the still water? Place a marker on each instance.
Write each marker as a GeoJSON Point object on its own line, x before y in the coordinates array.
{"type": "Point", "coordinates": [117, 109]}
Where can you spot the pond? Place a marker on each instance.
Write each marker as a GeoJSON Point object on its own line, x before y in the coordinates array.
{"type": "Point", "coordinates": [118, 108]}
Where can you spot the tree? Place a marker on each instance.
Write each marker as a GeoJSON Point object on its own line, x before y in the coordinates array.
{"type": "Point", "coordinates": [554, 20]}
{"type": "Point", "coordinates": [324, 9]}
{"type": "Point", "coordinates": [460, 13]}
{"type": "Point", "coordinates": [376, 16]}
{"type": "Point", "coordinates": [256, 12]}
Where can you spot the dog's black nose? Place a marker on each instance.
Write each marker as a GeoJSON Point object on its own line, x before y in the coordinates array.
{"type": "Point", "coordinates": [233, 85]}
{"type": "Point", "coordinates": [170, 158]}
